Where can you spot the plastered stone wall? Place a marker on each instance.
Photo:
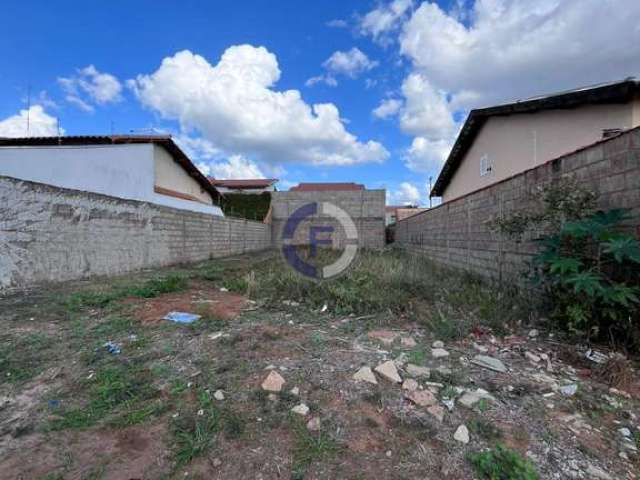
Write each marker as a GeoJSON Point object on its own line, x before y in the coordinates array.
{"type": "Point", "coordinates": [53, 234]}
{"type": "Point", "coordinates": [366, 209]}
{"type": "Point", "coordinates": [458, 233]}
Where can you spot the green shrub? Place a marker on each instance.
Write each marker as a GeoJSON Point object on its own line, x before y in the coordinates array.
{"type": "Point", "coordinates": [591, 273]}
{"type": "Point", "coordinates": [502, 464]}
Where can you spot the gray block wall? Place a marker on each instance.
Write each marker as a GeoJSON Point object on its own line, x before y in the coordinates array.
{"type": "Point", "coordinates": [53, 234]}
{"type": "Point", "coordinates": [459, 234]}
{"type": "Point", "coordinates": [366, 209]}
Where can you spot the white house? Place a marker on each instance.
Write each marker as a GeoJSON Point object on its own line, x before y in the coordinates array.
{"type": "Point", "coordinates": [145, 168]}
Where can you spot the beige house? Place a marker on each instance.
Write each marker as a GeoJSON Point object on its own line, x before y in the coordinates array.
{"type": "Point", "coordinates": [144, 168]}
{"type": "Point", "coordinates": [498, 142]}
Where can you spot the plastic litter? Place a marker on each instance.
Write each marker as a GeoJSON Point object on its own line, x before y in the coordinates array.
{"type": "Point", "coordinates": [113, 347]}
{"type": "Point", "coordinates": [182, 317]}
{"type": "Point", "coordinates": [596, 357]}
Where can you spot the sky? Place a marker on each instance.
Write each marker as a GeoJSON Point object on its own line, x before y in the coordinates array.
{"type": "Point", "coordinates": [373, 92]}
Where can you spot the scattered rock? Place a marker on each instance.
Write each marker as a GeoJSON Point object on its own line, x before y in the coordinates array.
{"type": "Point", "coordinates": [437, 411]}
{"type": "Point", "coordinates": [401, 359]}
{"type": "Point", "coordinates": [410, 384]}
{"type": "Point", "coordinates": [462, 434]}
{"type": "Point", "coordinates": [295, 391]}
{"type": "Point", "coordinates": [447, 402]}
{"type": "Point", "coordinates": [533, 333]}
{"type": "Point", "coordinates": [438, 344]}
{"type": "Point", "coordinates": [301, 409]}
{"type": "Point", "coordinates": [439, 353]}
{"type": "Point", "coordinates": [422, 398]}
{"type": "Point", "coordinates": [490, 363]}
{"type": "Point", "coordinates": [313, 425]}
{"type": "Point", "coordinates": [408, 342]}
{"type": "Point", "coordinates": [273, 382]}
{"type": "Point", "coordinates": [389, 371]}
{"type": "Point", "coordinates": [365, 375]}
{"type": "Point", "coordinates": [569, 390]}
{"type": "Point", "coordinates": [532, 357]}
{"type": "Point", "coordinates": [597, 473]}
{"type": "Point", "coordinates": [625, 432]}
{"type": "Point", "coordinates": [469, 399]}
{"type": "Point", "coordinates": [216, 462]}
{"type": "Point", "coordinates": [386, 337]}
{"type": "Point", "coordinates": [417, 371]}
{"type": "Point", "coordinates": [219, 395]}
{"type": "Point", "coordinates": [480, 348]}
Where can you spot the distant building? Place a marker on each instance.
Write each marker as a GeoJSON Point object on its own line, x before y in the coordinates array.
{"type": "Point", "coordinates": [327, 187]}
{"type": "Point", "coordinates": [395, 213]}
{"type": "Point", "coordinates": [145, 168]}
{"type": "Point", "coordinates": [498, 142]}
{"type": "Point", "coordinates": [251, 186]}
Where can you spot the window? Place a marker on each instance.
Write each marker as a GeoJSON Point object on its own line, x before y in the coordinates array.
{"type": "Point", "coordinates": [485, 165]}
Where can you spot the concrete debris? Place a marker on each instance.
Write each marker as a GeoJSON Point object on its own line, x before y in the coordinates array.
{"type": "Point", "coordinates": [490, 363]}
{"type": "Point", "coordinates": [533, 333]}
{"type": "Point", "coordinates": [313, 425]}
{"type": "Point", "coordinates": [301, 409]}
{"type": "Point", "coordinates": [408, 342]}
{"type": "Point", "coordinates": [569, 390]}
{"type": "Point", "coordinates": [439, 353]}
{"type": "Point", "coordinates": [389, 371]}
{"type": "Point", "coordinates": [365, 375]}
{"type": "Point", "coordinates": [295, 391]}
{"type": "Point", "coordinates": [532, 357]}
{"type": "Point", "coordinates": [437, 411]}
{"type": "Point", "coordinates": [470, 398]}
{"type": "Point", "coordinates": [438, 344]}
{"type": "Point", "coordinates": [410, 384]}
{"type": "Point", "coordinates": [219, 395]}
{"type": "Point", "coordinates": [422, 398]}
{"type": "Point", "coordinates": [386, 337]}
{"type": "Point", "coordinates": [417, 371]}
{"type": "Point", "coordinates": [462, 434]}
{"type": "Point", "coordinates": [273, 382]}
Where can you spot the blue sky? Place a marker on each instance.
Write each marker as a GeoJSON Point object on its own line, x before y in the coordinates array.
{"type": "Point", "coordinates": [394, 79]}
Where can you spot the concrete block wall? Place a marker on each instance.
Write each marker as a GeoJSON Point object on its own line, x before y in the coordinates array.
{"type": "Point", "coordinates": [49, 233]}
{"type": "Point", "coordinates": [459, 234]}
{"type": "Point", "coordinates": [365, 207]}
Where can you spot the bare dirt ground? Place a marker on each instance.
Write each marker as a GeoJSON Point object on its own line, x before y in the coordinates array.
{"type": "Point", "coordinates": [164, 400]}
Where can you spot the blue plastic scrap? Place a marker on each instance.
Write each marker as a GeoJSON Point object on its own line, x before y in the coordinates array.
{"type": "Point", "coordinates": [112, 347]}
{"type": "Point", "coordinates": [182, 317]}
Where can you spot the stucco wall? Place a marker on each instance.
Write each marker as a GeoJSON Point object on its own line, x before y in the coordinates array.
{"type": "Point", "coordinates": [53, 234]}
{"type": "Point", "coordinates": [366, 209]}
{"type": "Point", "coordinates": [515, 143]}
{"type": "Point", "coordinates": [459, 234]}
{"type": "Point", "coordinates": [170, 175]}
{"type": "Point", "coordinates": [124, 171]}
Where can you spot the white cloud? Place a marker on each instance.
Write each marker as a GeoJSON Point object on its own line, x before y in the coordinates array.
{"type": "Point", "coordinates": [236, 167]}
{"type": "Point", "coordinates": [197, 148]}
{"type": "Point", "coordinates": [89, 86]}
{"type": "Point", "coordinates": [387, 108]}
{"type": "Point", "coordinates": [426, 111]}
{"type": "Point", "coordinates": [337, 23]}
{"type": "Point", "coordinates": [234, 106]}
{"type": "Point", "coordinates": [383, 20]}
{"type": "Point", "coordinates": [40, 124]}
{"type": "Point", "coordinates": [350, 63]}
{"type": "Point", "coordinates": [406, 194]}
{"type": "Point", "coordinates": [511, 49]}
{"type": "Point", "coordinates": [427, 156]}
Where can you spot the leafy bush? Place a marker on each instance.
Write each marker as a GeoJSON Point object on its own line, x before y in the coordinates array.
{"type": "Point", "coordinates": [591, 272]}
{"type": "Point", "coordinates": [502, 464]}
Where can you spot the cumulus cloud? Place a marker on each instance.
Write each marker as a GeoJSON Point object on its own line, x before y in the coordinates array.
{"type": "Point", "coordinates": [511, 49]}
{"type": "Point", "coordinates": [197, 148]}
{"type": "Point", "coordinates": [89, 87]}
{"type": "Point", "coordinates": [350, 63]}
{"type": "Point", "coordinates": [387, 108]}
{"type": "Point", "coordinates": [427, 156]}
{"type": "Point", "coordinates": [32, 122]}
{"type": "Point", "coordinates": [387, 18]}
{"type": "Point", "coordinates": [406, 194]}
{"type": "Point", "coordinates": [236, 167]}
{"type": "Point", "coordinates": [234, 105]}
{"type": "Point", "coordinates": [337, 23]}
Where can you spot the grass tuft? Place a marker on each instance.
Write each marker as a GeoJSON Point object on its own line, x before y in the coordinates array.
{"type": "Point", "coordinates": [310, 447]}
{"type": "Point", "coordinates": [502, 463]}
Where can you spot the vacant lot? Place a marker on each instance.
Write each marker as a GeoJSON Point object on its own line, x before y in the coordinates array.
{"type": "Point", "coordinates": [469, 384]}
